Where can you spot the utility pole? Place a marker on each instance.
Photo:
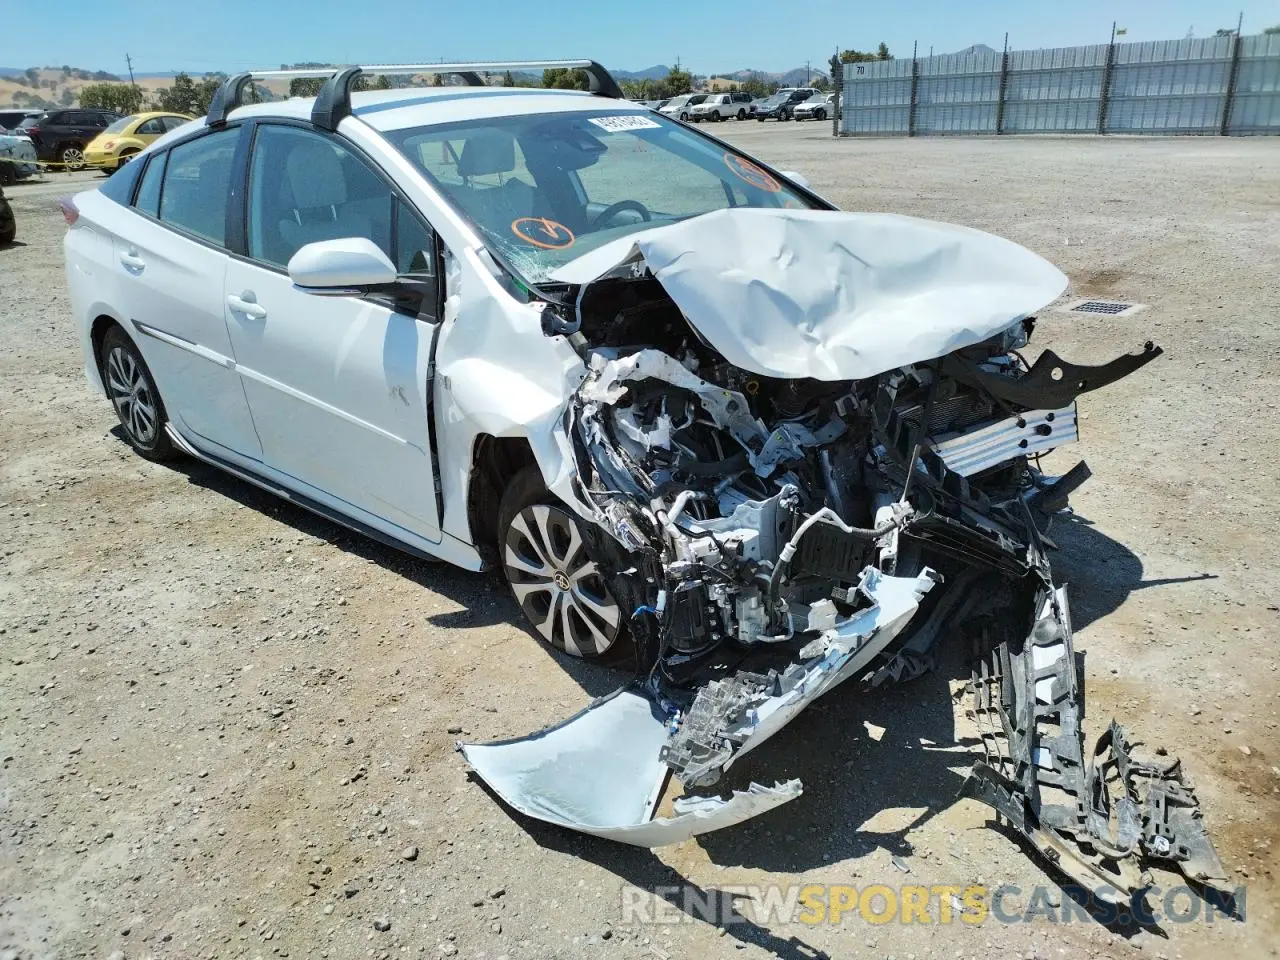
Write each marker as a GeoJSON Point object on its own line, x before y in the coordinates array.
{"type": "Point", "coordinates": [806, 73]}
{"type": "Point", "coordinates": [129, 60]}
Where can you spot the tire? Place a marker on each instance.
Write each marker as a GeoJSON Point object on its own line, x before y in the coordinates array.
{"type": "Point", "coordinates": [132, 391]}
{"type": "Point", "coordinates": [555, 583]}
{"type": "Point", "coordinates": [123, 159]}
{"type": "Point", "coordinates": [8, 225]}
{"type": "Point", "coordinates": [684, 117]}
{"type": "Point", "coordinates": [742, 114]}
{"type": "Point", "coordinates": [71, 156]}
{"type": "Point", "coordinates": [820, 115]}
{"type": "Point", "coordinates": [759, 119]}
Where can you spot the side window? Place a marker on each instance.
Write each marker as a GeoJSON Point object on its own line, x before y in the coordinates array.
{"type": "Point", "coordinates": [150, 127]}
{"type": "Point", "coordinates": [148, 199]}
{"type": "Point", "coordinates": [305, 187]}
{"type": "Point", "coordinates": [171, 123]}
{"type": "Point", "coordinates": [197, 180]}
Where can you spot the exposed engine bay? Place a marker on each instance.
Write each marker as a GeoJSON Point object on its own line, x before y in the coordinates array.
{"type": "Point", "coordinates": [774, 537]}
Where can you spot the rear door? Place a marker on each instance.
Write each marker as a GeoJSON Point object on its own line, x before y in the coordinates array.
{"type": "Point", "coordinates": [338, 385]}
{"type": "Point", "coordinates": [171, 261]}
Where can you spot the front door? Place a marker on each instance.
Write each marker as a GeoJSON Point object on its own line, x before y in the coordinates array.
{"type": "Point", "coordinates": [338, 386]}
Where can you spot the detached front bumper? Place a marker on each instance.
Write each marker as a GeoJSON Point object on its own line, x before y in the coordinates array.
{"type": "Point", "coordinates": [604, 771]}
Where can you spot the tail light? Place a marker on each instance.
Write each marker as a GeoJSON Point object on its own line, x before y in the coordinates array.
{"type": "Point", "coordinates": [70, 212]}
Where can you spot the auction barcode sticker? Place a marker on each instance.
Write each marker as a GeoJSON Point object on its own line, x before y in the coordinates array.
{"type": "Point", "coordinates": [632, 121]}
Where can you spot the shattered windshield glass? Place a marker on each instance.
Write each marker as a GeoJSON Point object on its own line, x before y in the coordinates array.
{"type": "Point", "coordinates": [544, 189]}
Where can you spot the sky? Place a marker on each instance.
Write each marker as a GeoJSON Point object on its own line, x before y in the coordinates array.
{"type": "Point", "coordinates": [711, 37]}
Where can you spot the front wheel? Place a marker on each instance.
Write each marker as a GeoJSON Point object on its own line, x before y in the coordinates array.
{"type": "Point", "coordinates": [8, 225]}
{"type": "Point", "coordinates": [71, 157]}
{"type": "Point", "coordinates": [558, 586]}
{"type": "Point", "coordinates": [133, 393]}
{"type": "Point", "coordinates": [684, 117]}
{"type": "Point", "coordinates": [821, 115]}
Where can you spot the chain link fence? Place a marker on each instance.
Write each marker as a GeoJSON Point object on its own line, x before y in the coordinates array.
{"type": "Point", "coordinates": [1216, 85]}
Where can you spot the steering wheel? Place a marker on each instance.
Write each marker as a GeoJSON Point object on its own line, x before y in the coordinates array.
{"type": "Point", "coordinates": [611, 211]}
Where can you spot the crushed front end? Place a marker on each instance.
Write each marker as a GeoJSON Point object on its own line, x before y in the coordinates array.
{"type": "Point", "coordinates": [777, 536]}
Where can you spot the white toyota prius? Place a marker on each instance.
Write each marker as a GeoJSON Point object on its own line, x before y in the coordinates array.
{"type": "Point", "coordinates": [703, 422]}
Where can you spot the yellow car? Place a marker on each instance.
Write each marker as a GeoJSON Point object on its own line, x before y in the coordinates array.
{"type": "Point", "coordinates": [112, 148]}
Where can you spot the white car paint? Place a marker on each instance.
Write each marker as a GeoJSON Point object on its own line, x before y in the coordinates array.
{"type": "Point", "coordinates": [832, 296]}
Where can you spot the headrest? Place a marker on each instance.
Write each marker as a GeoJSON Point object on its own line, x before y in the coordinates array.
{"type": "Point", "coordinates": [490, 152]}
{"type": "Point", "coordinates": [315, 175]}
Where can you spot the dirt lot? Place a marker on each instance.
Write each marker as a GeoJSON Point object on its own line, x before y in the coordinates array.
{"type": "Point", "coordinates": [226, 727]}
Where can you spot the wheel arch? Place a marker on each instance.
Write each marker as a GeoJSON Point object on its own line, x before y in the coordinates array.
{"type": "Point", "coordinates": [494, 461]}
{"type": "Point", "coordinates": [97, 333]}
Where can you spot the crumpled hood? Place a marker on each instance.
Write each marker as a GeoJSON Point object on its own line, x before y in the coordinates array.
{"type": "Point", "coordinates": [832, 295]}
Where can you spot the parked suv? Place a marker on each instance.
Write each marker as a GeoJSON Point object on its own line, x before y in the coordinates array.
{"type": "Point", "coordinates": [782, 105]}
{"type": "Point", "coordinates": [721, 106]}
{"type": "Point", "coordinates": [11, 119]}
{"type": "Point", "coordinates": [60, 136]}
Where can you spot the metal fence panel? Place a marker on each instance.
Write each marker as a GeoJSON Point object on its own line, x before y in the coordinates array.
{"type": "Point", "coordinates": [1160, 87]}
{"type": "Point", "coordinates": [1255, 106]}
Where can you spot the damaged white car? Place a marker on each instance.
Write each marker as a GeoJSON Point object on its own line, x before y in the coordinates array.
{"type": "Point", "coordinates": [701, 420]}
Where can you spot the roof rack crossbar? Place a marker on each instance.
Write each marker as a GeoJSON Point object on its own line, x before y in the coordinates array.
{"type": "Point", "coordinates": [334, 100]}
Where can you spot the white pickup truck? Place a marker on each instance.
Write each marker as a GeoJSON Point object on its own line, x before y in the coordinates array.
{"type": "Point", "coordinates": [722, 106]}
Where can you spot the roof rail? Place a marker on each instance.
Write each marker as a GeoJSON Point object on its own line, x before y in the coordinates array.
{"type": "Point", "coordinates": [334, 100]}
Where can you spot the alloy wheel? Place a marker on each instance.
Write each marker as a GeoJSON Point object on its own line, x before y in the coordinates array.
{"type": "Point", "coordinates": [73, 157]}
{"type": "Point", "coordinates": [559, 588]}
{"type": "Point", "coordinates": [131, 396]}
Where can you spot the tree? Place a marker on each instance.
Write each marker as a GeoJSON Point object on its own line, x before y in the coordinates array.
{"type": "Point", "coordinates": [117, 97]}
{"type": "Point", "coordinates": [508, 80]}
{"type": "Point", "coordinates": [189, 96]}
{"type": "Point", "coordinates": [558, 78]}
{"type": "Point", "coordinates": [67, 97]}
{"type": "Point", "coordinates": [437, 79]}
{"type": "Point", "coordinates": [758, 85]}
{"type": "Point", "coordinates": [33, 77]}
{"type": "Point", "coordinates": [675, 83]}
{"type": "Point", "coordinates": [1273, 30]}
{"type": "Point", "coordinates": [821, 83]}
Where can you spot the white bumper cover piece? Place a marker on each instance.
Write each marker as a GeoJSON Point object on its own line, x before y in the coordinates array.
{"type": "Point", "coordinates": [832, 295]}
{"type": "Point", "coordinates": [601, 772]}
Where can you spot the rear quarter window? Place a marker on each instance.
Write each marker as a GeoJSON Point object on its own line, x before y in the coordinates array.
{"type": "Point", "coordinates": [119, 187]}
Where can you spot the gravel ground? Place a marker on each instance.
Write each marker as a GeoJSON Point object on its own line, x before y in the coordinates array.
{"type": "Point", "coordinates": [226, 727]}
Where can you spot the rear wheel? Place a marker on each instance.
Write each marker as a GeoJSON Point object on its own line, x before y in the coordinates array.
{"type": "Point", "coordinates": [133, 393]}
{"type": "Point", "coordinates": [125, 158]}
{"type": "Point", "coordinates": [558, 586]}
{"type": "Point", "coordinates": [742, 114]}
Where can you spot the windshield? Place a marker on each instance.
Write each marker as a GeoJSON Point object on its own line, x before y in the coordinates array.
{"type": "Point", "coordinates": [678, 101]}
{"type": "Point", "coordinates": [121, 124]}
{"type": "Point", "coordinates": [543, 189]}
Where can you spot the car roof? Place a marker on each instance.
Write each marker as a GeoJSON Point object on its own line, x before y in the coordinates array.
{"type": "Point", "coordinates": [428, 106]}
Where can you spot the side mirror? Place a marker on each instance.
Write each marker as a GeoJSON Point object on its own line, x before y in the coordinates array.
{"type": "Point", "coordinates": [789, 174]}
{"type": "Point", "coordinates": [338, 267]}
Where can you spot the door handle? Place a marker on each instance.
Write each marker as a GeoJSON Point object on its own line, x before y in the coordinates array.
{"type": "Point", "coordinates": [246, 304]}
{"type": "Point", "coordinates": [132, 261]}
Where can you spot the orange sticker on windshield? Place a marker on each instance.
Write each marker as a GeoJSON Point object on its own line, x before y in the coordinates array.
{"type": "Point", "coordinates": [748, 172]}
{"type": "Point", "coordinates": [542, 232]}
